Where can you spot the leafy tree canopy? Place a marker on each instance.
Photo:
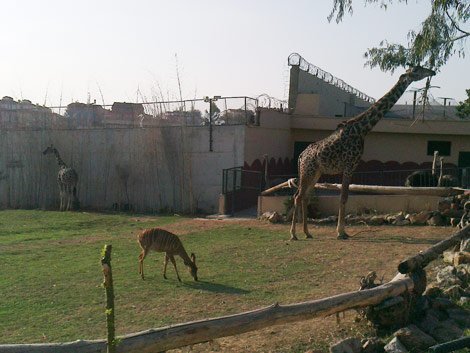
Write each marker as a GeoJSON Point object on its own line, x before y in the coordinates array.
{"type": "Point", "coordinates": [463, 109]}
{"type": "Point", "coordinates": [442, 34]}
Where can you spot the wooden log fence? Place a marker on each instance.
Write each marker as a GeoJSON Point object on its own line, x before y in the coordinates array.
{"type": "Point", "coordinates": [174, 336]}
{"type": "Point", "coordinates": [423, 258]}
{"type": "Point", "coordinates": [375, 189]}
{"type": "Point", "coordinates": [179, 335]}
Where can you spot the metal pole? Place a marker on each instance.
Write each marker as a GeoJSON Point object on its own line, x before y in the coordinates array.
{"type": "Point", "coordinates": [210, 125]}
{"type": "Point", "coordinates": [414, 104]}
{"type": "Point", "coordinates": [246, 114]}
{"type": "Point", "coordinates": [233, 190]}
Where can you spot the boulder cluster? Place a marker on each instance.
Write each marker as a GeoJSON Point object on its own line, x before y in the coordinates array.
{"type": "Point", "coordinates": [440, 315]}
{"type": "Point", "coordinates": [454, 210]}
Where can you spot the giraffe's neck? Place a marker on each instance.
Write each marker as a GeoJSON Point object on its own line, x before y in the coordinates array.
{"type": "Point", "coordinates": [371, 116]}
{"type": "Point", "coordinates": [60, 162]}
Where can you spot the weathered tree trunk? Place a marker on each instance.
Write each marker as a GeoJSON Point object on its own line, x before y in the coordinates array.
{"type": "Point", "coordinates": [375, 189]}
{"type": "Point", "coordinates": [156, 340]}
{"type": "Point", "coordinates": [423, 258]}
{"type": "Point", "coordinates": [451, 346]}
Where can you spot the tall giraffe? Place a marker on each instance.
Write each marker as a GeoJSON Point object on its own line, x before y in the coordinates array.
{"type": "Point", "coordinates": [342, 150]}
{"type": "Point", "coordinates": [67, 179]}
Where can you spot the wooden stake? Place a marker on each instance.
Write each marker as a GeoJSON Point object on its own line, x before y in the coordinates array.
{"type": "Point", "coordinates": [108, 286]}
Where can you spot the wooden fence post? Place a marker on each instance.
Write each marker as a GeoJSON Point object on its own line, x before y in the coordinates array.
{"type": "Point", "coordinates": [109, 289]}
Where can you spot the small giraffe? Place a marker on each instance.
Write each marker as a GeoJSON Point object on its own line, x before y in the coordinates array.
{"type": "Point", "coordinates": [67, 179]}
{"type": "Point", "coordinates": [342, 150]}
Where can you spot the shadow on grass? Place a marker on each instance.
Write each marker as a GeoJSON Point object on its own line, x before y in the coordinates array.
{"type": "Point", "coordinates": [215, 287]}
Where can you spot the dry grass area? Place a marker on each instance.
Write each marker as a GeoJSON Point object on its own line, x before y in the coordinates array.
{"type": "Point", "coordinates": [243, 265]}
{"type": "Point", "coordinates": [370, 248]}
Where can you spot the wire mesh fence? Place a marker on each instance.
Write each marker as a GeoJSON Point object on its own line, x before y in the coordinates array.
{"type": "Point", "coordinates": [217, 110]}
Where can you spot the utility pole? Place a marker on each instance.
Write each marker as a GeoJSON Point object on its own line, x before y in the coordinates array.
{"type": "Point", "coordinates": [415, 92]}
{"type": "Point", "coordinates": [445, 104]}
{"type": "Point", "coordinates": [209, 100]}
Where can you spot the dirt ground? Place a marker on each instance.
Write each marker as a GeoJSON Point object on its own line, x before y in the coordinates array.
{"type": "Point", "coordinates": [378, 248]}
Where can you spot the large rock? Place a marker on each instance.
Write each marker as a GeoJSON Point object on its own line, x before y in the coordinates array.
{"type": "Point", "coordinates": [454, 292]}
{"type": "Point", "coordinates": [414, 339]}
{"type": "Point", "coordinates": [429, 322]}
{"type": "Point", "coordinates": [446, 331]}
{"type": "Point", "coordinates": [436, 220]}
{"type": "Point", "coordinates": [376, 220]}
{"type": "Point", "coordinates": [419, 218]}
{"type": "Point", "coordinates": [462, 257]}
{"type": "Point", "coordinates": [447, 277]}
{"type": "Point", "coordinates": [453, 213]}
{"type": "Point", "coordinates": [272, 217]}
{"type": "Point", "coordinates": [395, 346]}
{"type": "Point", "coordinates": [372, 345]}
{"type": "Point", "coordinates": [348, 345]}
{"type": "Point", "coordinates": [465, 244]}
{"type": "Point", "coordinates": [462, 272]}
{"type": "Point", "coordinates": [275, 218]}
{"type": "Point", "coordinates": [460, 316]}
{"type": "Point", "coordinates": [433, 291]}
{"type": "Point", "coordinates": [444, 204]}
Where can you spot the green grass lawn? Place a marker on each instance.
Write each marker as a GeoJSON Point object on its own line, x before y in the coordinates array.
{"type": "Point", "coordinates": [50, 272]}
{"type": "Point", "coordinates": [50, 275]}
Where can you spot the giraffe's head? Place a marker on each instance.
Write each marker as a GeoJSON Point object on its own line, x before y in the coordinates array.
{"type": "Point", "coordinates": [417, 73]}
{"type": "Point", "coordinates": [48, 150]}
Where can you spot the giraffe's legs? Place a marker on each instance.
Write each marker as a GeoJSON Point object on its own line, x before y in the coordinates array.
{"type": "Point", "coordinates": [173, 261]}
{"type": "Point", "coordinates": [304, 214]}
{"type": "Point", "coordinates": [165, 263]}
{"type": "Point", "coordinates": [61, 196]}
{"type": "Point", "coordinates": [300, 198]}
{"type": "Point", "coordinates": [294, 217]}
{"type": "Point", "coordinates": [68, 195]}
{"type": "Point", "coordinates": [342, 206]}
{"type": "Point", "coordinates": [141, 262]}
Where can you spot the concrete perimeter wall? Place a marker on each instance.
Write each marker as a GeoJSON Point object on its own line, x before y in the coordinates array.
{"type": "Point", "coordinates": [149, 168]}
{"type": "Point", "coordinates": [329, 205]}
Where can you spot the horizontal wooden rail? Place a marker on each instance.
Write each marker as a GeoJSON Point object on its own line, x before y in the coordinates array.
{"type": "Point", "coordinates": [174, 336]}
{"type": "Point", "coordinates": [423, 258]}
{"type": "Point", "coordinates": [376, 189]}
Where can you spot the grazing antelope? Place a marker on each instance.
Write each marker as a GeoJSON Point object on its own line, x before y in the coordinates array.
{"type": "Point", "coordinates": [161, 240]}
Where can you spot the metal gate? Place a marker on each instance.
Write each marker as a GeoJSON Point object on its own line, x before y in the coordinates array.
{"type": "Point", "coordinates": [241, 188]}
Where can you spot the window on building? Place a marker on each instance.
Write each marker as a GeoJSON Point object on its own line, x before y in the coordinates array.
{"type": "Point", "coordinates": [443, 147]}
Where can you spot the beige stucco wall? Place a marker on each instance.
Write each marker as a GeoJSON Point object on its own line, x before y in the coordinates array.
{"type": "Point", "coordinates": [393, 139]}
{"type": "Point", "coordinates": [271, 137]}
{"type": "Point", "coordinates": [390, 140]}
{"type": "Point", "coordinates": [328, 205]}
{"type": "Point", "coordinates": [330, 100]}
{"type": "Point", "coordinates": [156, 168]}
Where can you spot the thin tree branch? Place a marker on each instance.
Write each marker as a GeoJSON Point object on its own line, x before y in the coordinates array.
{"type": "Point", "coordinates": [455, 25]}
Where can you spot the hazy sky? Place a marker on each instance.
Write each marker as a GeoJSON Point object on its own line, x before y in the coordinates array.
{"type": "Point", "coordinates": [54, 48]}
